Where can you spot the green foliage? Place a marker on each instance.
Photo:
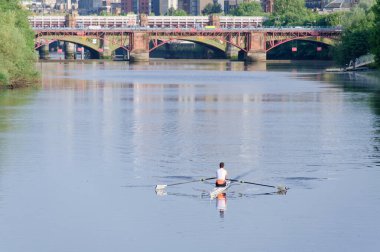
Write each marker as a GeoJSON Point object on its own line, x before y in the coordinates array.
{"type": "Point", "coordinates": [212, 8]}
{"type": "Point", "coordinates": [355, 41]}
{"type": "Point", "coordinates": [105, 13]}
{"type": "Point", "coordinates": [4, 77]}
{"type": "Point", "coordinates": [366, 4]}
{"type": "Point", "coordinates": [17, 56]}
{"type": "Point", "coordinates": [375, 38]}
{"type": "Point", "coordinates": [357, 18]}
{"type": "Point", "coordinates": [289, 12]}
{"type": "Point", "coordinates": [331, 19]}
{"type": "Point", "coordinates": [248, 9]}
{"type": "Point", "coordinates": [8, 5]}
{"type": "Point", "coordinates": [174, 12]}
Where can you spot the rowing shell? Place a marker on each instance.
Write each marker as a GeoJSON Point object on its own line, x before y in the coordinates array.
{"type": "Point", "coordinates": [218, 190]}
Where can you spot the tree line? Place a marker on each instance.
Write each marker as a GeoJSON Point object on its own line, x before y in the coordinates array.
{"type": "Point", "coordinates": [17, 54]}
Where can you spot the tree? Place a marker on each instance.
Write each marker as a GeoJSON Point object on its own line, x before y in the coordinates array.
{"type": "Point", "coordinates": [375, 38]}
{"type": "Point", "coordinates": [212, 8]}
{"type": "Point", "coordinates": [17, 56]}
{"type": "Point", "coordinates": [248, 9]}
{"type": "Point", "coordinates": [355, 41]}
{"type": "Point", "coordinates": [290, 12]}
{"type": "Point", "coordinates": [104, 13]}
{"type": "Point", "coordinates": [366, 4]}
{"type": "Point", "coordinates": [174, 12]}
{"type": "Point", "coordinates": [331, 19]}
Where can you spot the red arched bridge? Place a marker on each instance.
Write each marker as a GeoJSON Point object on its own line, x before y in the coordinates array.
{"type": "Point", "coordinates": [249, 40]}
{"type": "Point", "coordinates": [254, 43]}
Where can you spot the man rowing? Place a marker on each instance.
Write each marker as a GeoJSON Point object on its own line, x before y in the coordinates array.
{"type": "Point", "coordinates": [221, 176]}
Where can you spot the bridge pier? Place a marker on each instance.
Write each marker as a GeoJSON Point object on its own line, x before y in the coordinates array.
{"type": "Point", "coordinates": [232, 52]}
{"type": "Point", "coordinates": [44, 52]}
{"type": "Point", "coordinates": [140, 47]}
{"type": "Point", "coordinates": [256, 48]}
{"type": "Point", "coordinates": [69, 51]}
{"type": "Point", "coordinates": [105, 45]}
{"type": "Point", "coordinates": [256, 56]}
{"type": "Point", "coordinates": [139, 56]}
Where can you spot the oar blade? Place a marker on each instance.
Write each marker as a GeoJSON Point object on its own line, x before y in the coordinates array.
{"type": "Point", "coordinates": [160, 187]}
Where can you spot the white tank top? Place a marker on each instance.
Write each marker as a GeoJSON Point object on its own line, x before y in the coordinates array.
{"type": "Point", "coordinates": [221, 174]}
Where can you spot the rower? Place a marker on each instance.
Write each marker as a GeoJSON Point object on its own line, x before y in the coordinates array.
{"type": "Point", "coordinates": [221, 176]}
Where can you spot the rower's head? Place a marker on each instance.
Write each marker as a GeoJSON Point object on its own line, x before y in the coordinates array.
{"type": "Point", "coordinates": [221, 165]}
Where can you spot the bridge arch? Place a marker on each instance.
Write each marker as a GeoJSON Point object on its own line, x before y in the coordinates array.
{"type": "Point", "coordinates": [160, 42]}
{"type": "Point", "coordinates": [220, 44]}
{"type": "Point", "coordinates": [208, 50]}
{"type": "Point", "coordinates": [44, 40]}
{"type": "Point", "coordinates": [94, 43]}
{"type": "Point", "coordinates": [93, 51]}
{"type": "Point", "coordinates": [322, 40]}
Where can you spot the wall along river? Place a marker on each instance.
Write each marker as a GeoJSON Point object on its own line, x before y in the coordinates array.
{"type": "Point", "coordinates": [79, 158]}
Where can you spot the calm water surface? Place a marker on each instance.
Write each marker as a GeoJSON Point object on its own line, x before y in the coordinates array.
{"type": "Point", "coordinates": [79, 158]}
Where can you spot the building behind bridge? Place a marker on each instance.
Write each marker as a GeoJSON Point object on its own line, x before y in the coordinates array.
{"type": "Point", "coordinates": [160, 7]}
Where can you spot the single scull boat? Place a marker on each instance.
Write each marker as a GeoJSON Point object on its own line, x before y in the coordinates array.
{"type": "Point", "coordinates": [218, 190]}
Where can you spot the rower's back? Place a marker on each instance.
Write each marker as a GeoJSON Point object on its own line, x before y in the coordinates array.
{"type": "Point", "coordinates": [221, 175]}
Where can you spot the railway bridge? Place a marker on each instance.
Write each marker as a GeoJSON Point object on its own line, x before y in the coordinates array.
{"type": "Point", "coordinates": [138, 36]}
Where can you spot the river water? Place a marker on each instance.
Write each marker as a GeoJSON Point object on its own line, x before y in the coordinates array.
{"type": "Point", "coordinates": [80, 155]}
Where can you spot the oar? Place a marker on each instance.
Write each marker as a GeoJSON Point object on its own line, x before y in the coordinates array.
{"type": "Point", "coordinates": [279, 188]}
{"type": "Point", "coordinates": [160, 187]}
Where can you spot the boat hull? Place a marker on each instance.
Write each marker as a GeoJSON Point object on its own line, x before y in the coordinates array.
{"type": "Point", "coordinates": [218, 190]}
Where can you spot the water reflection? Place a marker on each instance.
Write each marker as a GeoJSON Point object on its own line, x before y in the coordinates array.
{"type": "Point", "coordinates": [220, 199]}
{"type": "Point", "coordinates": [12, 120]}
{"type": "Point", "coordinates": [367, 87]}
{"type": "Point", "coordinates": [10, 100]}
{"type": "Point", "coordinates": [221, 204]}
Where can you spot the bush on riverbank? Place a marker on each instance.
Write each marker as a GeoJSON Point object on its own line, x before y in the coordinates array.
{"type": "Point", "coordinates": [357, 30]}
{"type": "Point", "coordinates": [17, 56]}
{"type": "Point", "coordinates": [376, 32]}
